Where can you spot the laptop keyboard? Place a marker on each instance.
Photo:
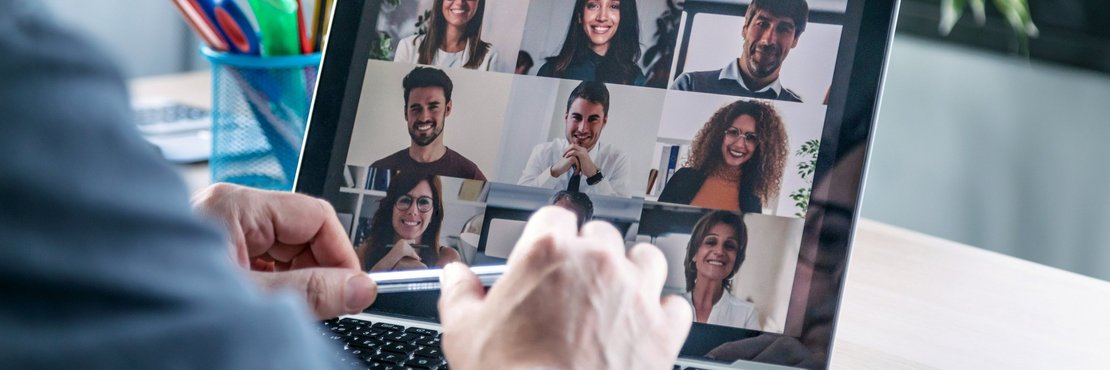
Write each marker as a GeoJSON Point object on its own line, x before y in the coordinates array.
{"type": "Point", "coordinates": [383, 346]}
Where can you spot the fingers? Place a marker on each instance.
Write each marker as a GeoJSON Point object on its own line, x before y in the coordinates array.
{"type": "Point", "coordinates": [652, 266]}
{"type": "Point", "coordinates": [603, 234]}
{"type": "Point", "coordinates": [459, 290]}
{"type": "Point", "coordinates": [329, 292]}
{"type": "Point", "coordinates": [551, 221]}
{"type": "Point", "coordinates": [300, 221]}
{"type": "Point", "coordinates": [679, 317]}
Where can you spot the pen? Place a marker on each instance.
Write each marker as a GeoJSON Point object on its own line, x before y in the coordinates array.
{"type": "Point", "coordinates": [202, 24]}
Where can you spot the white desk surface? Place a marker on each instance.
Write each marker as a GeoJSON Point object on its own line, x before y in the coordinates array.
{"type": "Point", "coordinates": [911, 300]}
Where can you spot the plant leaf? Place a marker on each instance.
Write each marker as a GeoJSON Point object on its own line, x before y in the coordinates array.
{"type": "Point", "coordinates": [950, 12]}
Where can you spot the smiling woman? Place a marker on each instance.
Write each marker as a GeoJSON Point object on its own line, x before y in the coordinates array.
{"type": "Point", "coordinates": [404, 233]}
{"type": "Point", "coordinates": [602, 44]}
{"type": "Point", "coordinates": [717, 248]}
{"type": "Point", "coordinates": [736, 160]}
{"type": "Point", "coordinates": [453, 38]}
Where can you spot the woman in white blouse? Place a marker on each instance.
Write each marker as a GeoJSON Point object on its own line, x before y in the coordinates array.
{"type": "Point", "coordinates": [453, 38]}
{"type": "Point", "coordinates": [714, 255]}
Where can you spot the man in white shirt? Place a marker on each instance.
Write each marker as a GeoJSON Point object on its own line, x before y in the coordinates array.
{"type": "Point", "coordinates": [578, 162]}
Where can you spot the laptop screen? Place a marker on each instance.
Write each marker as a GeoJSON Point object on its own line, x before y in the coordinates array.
{"type": "Point", "coordinates": [698, 126]}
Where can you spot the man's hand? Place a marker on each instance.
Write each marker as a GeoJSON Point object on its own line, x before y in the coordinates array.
{"type": "Point", "coordinates": [298, 238]}
{"type": "Point", "coordinates": [581, 156]}
{"type": "Point", "coordinates": [565, 302]}
{"type": "Point", "coordinates": [561, 166]}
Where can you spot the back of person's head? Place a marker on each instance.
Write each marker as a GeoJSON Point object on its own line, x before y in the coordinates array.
{"type": "Point", "coordinates": [524, 60]}
{"type": "Point", "coordinates": [591, 91]}
{"type": "Point", "coordinates": [583, 206]}
{"type": "Point", "coordinates": [797, 10]}
{"type": "Point", "coordinates": [427, 77]}
{"type": "Point", "coordinates": [701, 230]}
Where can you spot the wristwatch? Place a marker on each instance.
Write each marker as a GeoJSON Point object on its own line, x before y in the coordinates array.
{"type": "Point", "coordinates": [596, 178]}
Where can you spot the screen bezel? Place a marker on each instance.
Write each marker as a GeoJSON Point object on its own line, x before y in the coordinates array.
{"type": "Point", "coordinates": [849, 124]}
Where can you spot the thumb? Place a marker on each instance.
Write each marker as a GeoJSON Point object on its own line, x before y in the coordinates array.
{"type": "Point", "coordinates": [459, 289]}
{"type": "Point", "coordinates": [329, 292]}
{"type": "Point", "coordinates": [679, 316]}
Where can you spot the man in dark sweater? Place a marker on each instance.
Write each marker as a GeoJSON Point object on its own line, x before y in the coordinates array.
{"type": "Point", "coordinates": [771, 29]}
{"type": "Point", "coordinates": [427, 106]}
{"type": "Point", "coordinates": [104, 266]}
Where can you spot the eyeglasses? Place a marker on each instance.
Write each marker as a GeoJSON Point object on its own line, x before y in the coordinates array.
{"type": "Point", "coordinates": [734, 133]}
{"type": "Point", "coordinates": [423, 204]}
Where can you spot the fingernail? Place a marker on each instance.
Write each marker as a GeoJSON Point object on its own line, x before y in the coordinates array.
{"type": "Point", "coordinates": [450, 273]}
{"type": "Point", "coordinates": [358, 295]}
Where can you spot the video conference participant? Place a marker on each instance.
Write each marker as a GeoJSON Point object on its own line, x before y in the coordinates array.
{"type": "Point", "coordinates": [771, 29]}
{"type": "Point", "coordinates": [427, 106]}
{"type": "Point", "coordinates": [453, 38]}
{"type": "Point", "coordinates": [602, 44]}
{"type": "Point", "coordinates": [576, 202]}
{"type": "Point", "coordinates": [736, 160]}
{"type": "Point", "coordinates": [579, 162]}
{"type": "Point", "coordinates": [404, 232]}
{"type": "Point", "coordinates": [716, 250]}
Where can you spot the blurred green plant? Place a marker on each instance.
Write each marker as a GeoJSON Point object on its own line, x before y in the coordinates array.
{"type": "Point", "coordinates": [808, 154]}
{"type": "Point", "coordinates": [1016, 13]}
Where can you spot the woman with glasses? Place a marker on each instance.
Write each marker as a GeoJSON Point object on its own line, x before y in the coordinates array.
{"type": "Point", "coordinates": [404, 232]}
{"type": "Point", "coordinates": [718, 245]}
{"type": "Point", "coordinates": [453, 39]}
{"type": "Point", "coordinates": [736, 160]}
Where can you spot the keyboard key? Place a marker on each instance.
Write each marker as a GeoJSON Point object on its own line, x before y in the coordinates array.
{"type": "Point", "coordinates": [360, 352]}
{"type": "Point", "coordinates": [423, 363]}
{"type": "Point", "coordinates": [369, 332]}
{"type": "Point", "coordinates": [389, 358]}
{"type": "Point", "coordinates": [350, 321]}
{"type": "Point", "coordinates": [422, 331]}
{"type": "Point", "coordinates": [399, 347]}
{"type": "Point", "coordinates": [390, 327]}
{"type": "Point", "coordinates": [402, 337]}
{"type": "Point", "coordinates": [371, 344]}
{"type": "Point", "coordinates": [430, 342]}
{"type": "Point", "coordinates": [431, 352]}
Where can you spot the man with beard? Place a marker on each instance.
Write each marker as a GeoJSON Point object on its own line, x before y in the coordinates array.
{"type": "Point", "coordinates": [771, 29]}
{"type": "Point", "coordinates": [578, 162]}
{"type": "Point", "coordinates": [427, 105]}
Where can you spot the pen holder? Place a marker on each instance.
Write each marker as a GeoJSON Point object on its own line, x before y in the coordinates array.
{"type": "Point", "coordinates": [259, 110]}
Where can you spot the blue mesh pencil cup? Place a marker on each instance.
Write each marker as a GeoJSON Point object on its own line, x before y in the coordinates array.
{"type": "Point", "coordinates": [259, 109]}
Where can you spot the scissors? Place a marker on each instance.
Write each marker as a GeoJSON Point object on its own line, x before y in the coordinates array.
{"type": "Point", "coordinates": [235, 26]}
{"type": "Point", "coordinates": [224, 18]}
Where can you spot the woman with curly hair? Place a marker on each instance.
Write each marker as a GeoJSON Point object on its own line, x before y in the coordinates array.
{"type": "Point", "coordinates": [404, 232]}
{"type": "Point", "coordinates": [736, 160]}
{"type": "Point", "coordinates": [453, 38]}
{"type": "Point", "coordinates": [602, 44]}
{"type": "Point", "coordinates": [717, 248]}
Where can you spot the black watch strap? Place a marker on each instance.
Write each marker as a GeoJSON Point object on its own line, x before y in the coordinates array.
{"type": "Point", "coordinates": [596, 178]}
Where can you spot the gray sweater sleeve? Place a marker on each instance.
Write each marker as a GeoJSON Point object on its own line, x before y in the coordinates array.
{"type": "Point", "coordinates": [102, 263]}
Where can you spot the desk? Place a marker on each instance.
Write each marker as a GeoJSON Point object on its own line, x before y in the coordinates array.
{"type": "Point", "coordinates": [911, 300]}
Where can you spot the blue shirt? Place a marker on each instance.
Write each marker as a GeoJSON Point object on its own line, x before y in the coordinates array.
{"type": "Point", "coordinates": [102, 263]}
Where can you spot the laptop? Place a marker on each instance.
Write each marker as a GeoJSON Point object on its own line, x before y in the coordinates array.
{"type": "Point", "coordinates": [731, 134]}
